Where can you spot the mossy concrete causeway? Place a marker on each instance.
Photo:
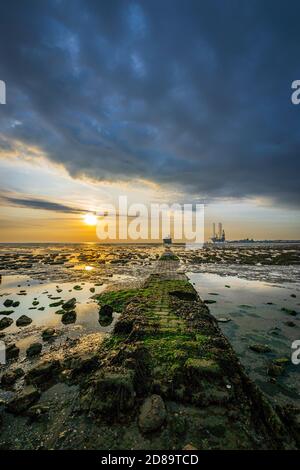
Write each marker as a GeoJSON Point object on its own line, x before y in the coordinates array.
{"type": "Point", "coordinates": [168, 349]}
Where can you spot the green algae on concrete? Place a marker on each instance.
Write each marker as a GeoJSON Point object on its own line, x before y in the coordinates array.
{"type": "Point", "coordinates": [174, 349]}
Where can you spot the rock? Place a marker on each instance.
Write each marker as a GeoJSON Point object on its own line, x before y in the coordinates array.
{"type": "Point", "coordinates": [5, 323]}
{"type": "Point", "coordinates": [290, 323]}
{"type": "Point", "coordinates": [190, 446]}
{"type": "Point", "coordinates": [223, 319]}
{"type": "Point", "coordinates": [275, 370]}
{"type": "Point", "coordinates": [69, 317]}
{"type": "Point", "coordinates": [209, 301]}
{"type": "Point", "coordinates": [92, 289]}
{"type": "Point", "coordinates": [10, 377]}
{"type": "Point", "coordinates": [152, 414]}
{"type": "Point", "coordinates": [36, 411]}
{"type": "Point", "coordinates": [43, 374]}
{"type": "Point", "coordinates": [34, 349]}
{"type": "Point", "coordinates": [8, 303]}
{"type": "Point", "coordinates": [6, 312]}
{"type": "Point", "coordinates": [77, 287]}
{"type": "Point", "coordinates": [23, 320]}
{"type": "Point", "coordinates": [56, 304]}
{"type": "Point", "coordinates": [260, 348]}
{"type": "Point", "coordinates": [84, 363]}
{"type": "Point", "coordinates": [70, 304]}
{"type": "Point", "coordinates": [289, 311]}
{"type": "Point", "coordinates": [106, 311]}
{"type": "Point", "coordinates": [48, 333]}
{"type": "Point", "coordinates": [23, 400]}
{"type": "Point", "coordinates": [16, 304]}
{"type": "Point", "coordinates": [12, 352]}
{"type": "Point", "coordinates": [281, 361]}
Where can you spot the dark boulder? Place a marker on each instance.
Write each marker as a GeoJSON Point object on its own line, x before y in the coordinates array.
{"type": "Point", "coordinates": [48, 334]}
{"type": "Point", "coordinates": [10, 377]}
{"type": "Point", "coordinates": [152, 414]}
{"type": "Point", "coordinates": [34, 349]}
{"type": "Point", "coordinates": [12, 352]}
{"type": "Point", "coordinates": [260, 348]}
{"type": "Point", "coordinates": [70, 304]}
{"type": "Point", "coordinates": [43, 374]}
{"type": "Point", "coordinates": [5, 322]}
{"type": "Point", "coordinates": [23, 400]}
{"type": "Point", "coordinates": [106, 311]}
{"type": "Point", "coordinates": [69, 317]}
{"type": "Point", "coordinates": [23, 320]}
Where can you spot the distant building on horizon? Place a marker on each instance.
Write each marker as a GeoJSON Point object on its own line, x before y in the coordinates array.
{"type": "Point", "coordinates": [220, 236]}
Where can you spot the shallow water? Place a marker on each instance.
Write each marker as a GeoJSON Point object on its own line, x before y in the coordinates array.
{"type": "Point", "coordinates": [47, 293]}
{"type": "Point", "coordinates": [254, 309]}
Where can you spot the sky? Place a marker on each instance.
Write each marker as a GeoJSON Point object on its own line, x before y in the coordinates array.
{"type": "Point", "coordinates": [162, 101]}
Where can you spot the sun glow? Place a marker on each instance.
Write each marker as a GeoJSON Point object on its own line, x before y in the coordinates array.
{"type": "Point", "coordinates": [90, 219]}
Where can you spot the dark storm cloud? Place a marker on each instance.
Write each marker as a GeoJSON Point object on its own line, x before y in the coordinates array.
{"type": "Point", "coordinates": [32, 203]}
{"type": "Point", "coordinates": [195, 94]}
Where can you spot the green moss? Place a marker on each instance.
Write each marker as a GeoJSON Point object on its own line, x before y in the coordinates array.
{"type": "Point", "coordinates": [169, 257]}
{"type": "Point", "coordinates": [202, 367]}
{"type": "Point", "coordinates": [112, 342]}
{"type": "Point", "coordinates": [119, 299]}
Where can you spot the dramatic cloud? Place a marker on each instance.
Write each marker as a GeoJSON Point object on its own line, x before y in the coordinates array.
{"type": "Point", "coordinates": [31, 203]}
{"type": "Point", "coordinates": [194, 94]}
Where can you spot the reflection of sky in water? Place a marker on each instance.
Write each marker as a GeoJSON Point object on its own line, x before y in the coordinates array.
{"type": "Point", "coordinates": [86, 308]}
{"type": "Point", "coordinates": [254, 308]}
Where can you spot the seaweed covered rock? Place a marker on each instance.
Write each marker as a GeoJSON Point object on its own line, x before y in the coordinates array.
{"type": "Point", "coordinates": [152, 414]}
{"type": "Point", "coordinates": [44, 374]}
{"type": "Point", "coordinates": [69, 304]}
{"type": "Point", "coordinates": [48, 334]}
{"type": "Point", "coordinates": [105, 315]}
{"type": "Point", "coordinates": [5, 322]}
{"type": "Point", "coordinates": [260, 348]}
{"type": "Point", "coordinates": [23, 320]}
{"type": "Point", "coordinates": [12, 351]}
{"type": "Point", "coordinates": [68, 317]}
{"type": "Point", "coordinates": [106, 311]}
{"type": "Point", "coordinates": [10, 377]}
{"type": "Point", "coordinates": [23, 400]}
{"type": "Point", "coordinates": [34, 349]}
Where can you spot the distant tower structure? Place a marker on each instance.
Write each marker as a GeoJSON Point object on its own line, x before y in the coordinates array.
{"type": "Point", "coordinates": [220, 236]}
{"type": "Point", "coordinates": [220, 229]}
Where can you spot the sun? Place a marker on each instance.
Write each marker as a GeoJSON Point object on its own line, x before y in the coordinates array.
{"type": "Point", "coordinates": [90, 219]}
